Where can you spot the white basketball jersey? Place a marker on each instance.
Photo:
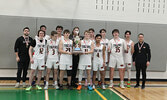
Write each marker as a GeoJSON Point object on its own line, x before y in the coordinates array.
{"type": "Point", "coordinates": [117, 47]}
{"type": "Point", "coordinates": [39, 49]}
{"type": "Point", "coordinates": [98, 54]}
{"type": "Point", "coordinates": [53, 49]}
{"type": "Point", "coordinates": [60, 38]}
{"type": "Point", "coordinates": [85, 59]}
{"type": "Point", "coordinates": [128, 55]}
{"type": "Point", "coordinates": [105, 43]}
{"type": "Point", "coordinates": [66, 58]}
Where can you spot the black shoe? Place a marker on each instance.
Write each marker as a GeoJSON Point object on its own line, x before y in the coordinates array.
{"type": "Point", "coordinates": [143, 87]}
{"type": "Point", "coordinates": [70, 87]}
{"type": "Point", "coordinates": [61, 88]}
{"type": "Point", "coordinates": [136, 86]}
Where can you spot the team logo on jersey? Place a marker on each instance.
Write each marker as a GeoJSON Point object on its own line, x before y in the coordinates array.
{"type": "Point", "coordinates": [86, 46]}
{"type": "Point", "coordinates": [53, 47]}
{"type": "Point", "coordinates": [97, 50]}
{"type": "Point", "coordinates": [39, 45]}
{"type": "Point", "coordinates": [67, 45]}
{"type": "Point", "coordinates": [117, 45]}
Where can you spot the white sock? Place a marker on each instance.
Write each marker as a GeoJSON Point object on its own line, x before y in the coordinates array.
{"type": "Point", "coordinates": [55, 82]}
{"type": "Point", "coordinates": [80, 75]}
{"type": "Point", "coordinates": [98, 75]}
{"type": "Point", "coordinates": [111, 81]}
{"type": "Point", "coordinates": [129, 72]}
{"type": "Point", "coordinates": [79, 83]}
{"type": "Point", "coordinates": [47, 83]}
{"type": "Point", "coordinates": [88, 84]}
{"type": "Point", "coordinates": [122, 82]}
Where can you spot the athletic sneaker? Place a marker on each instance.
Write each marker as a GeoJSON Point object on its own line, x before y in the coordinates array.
{"type": "Point", "coordinates": [33, 83]}
{"type": "Point", "coordinates": [38, 87]}
{"type": "Point", "coordinates": [24, 85]}
{"type": "Point", "coordinates": [122, 86]}
{"type": "Point", "coordinates": [103, 87]}
{"type": "Point", "coordinates": [61, 87]}
{"type": "Point", "coordinates": [90, 88]}
{"type": "Point", "coordinates": [28, 88]}
{"type": "Point", "coordinates": [56, 86]}
{"type": "Point", "coordinates": [128, 84]}
{"type": "Point", "coordinates": [93, 86]}
{"type": "Point", "coordinates": [136, 86]}
{"type": "Point", "coordinates": [17, 85]}
{"type": "Point", "coordinates": [46, 87]}
{"type": "Point", "coordinates": [111, 85]}
{"type": "Point", "coordinates": [70, 87]}
{"type": "Point", "coordinates": [79, 87]}
{"type": "Point", "coordinates": [99, 83]}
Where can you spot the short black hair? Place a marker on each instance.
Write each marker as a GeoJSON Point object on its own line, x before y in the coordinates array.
{"type": "Point", "coordinates": [140, 34]}
{"type": "Point", "coordinates": [26, 28]}
{"type": "Point", "coordinates": [127, 31]}
{"type": "Point", "coordinates": [91, 29]}
{"type": "Point", "coordinates": [40, 31]}
{"type": "Point", "coordinates": [115, 30]}
{"type": "Point", "coordinates": [59, 27]}
{"type": "Point", "coordinates": [102, 30]}
{"type": "Point", "coordinates": [66, 31]}
{"type": "Point", "coordinates": [42, 26]}
{"type": "Point", "coordinates": [97, 35]}
{"type": "Point", "coordinates": [53, 33]}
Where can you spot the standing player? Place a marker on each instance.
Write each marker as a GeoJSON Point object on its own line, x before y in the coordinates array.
{"type": "Point", "coordinates": [87, 46]}
{"type": "Point", "coordinates": [47, 37]}
{"type": "Point", "coordinates": [65, 48]}
{"type": "Point", "coordinates": [117, 47]}
{"type": "Point", "coordinates": [104, 41]}
{"type": "Point", "coordinates": [52, 59]}
{"type": "Point", "coordinates": [128, 55]}
{"type": "Point", "coordinates": [98, 60]}
{"type": "Point", "coordinates": [38, 58]}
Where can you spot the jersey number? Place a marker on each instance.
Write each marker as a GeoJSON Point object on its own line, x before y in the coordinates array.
{"type": "Point", "coordinates": [67, 49]}
{"type": "Point", "coordinates": [41, 50]}
{"type": "Point", "coordinates": [117, 49]}
{"type": "Point", "coordinates": [53, 51]}
{"type": "Point", "coordinates": [86, 50]}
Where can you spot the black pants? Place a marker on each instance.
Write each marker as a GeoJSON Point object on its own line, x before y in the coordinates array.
{"type": "Point", "coordinates": [74, 68]}
{"type": "Point", "coordinates": [143, 68]}
{"type": "Point", "coordinates": [22, 66]}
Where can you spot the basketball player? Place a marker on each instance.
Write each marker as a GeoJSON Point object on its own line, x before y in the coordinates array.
{"type": "Point", "coordinates": [47, 37]}
{"type": "Point", "coordinates": [98, 60]}
{"type": "Point", "coordinates": [92, 34]}
{"type": "Point", "coordinates": [128, 55]}
{"type": "Point", "coordinates": [65, 48]}
{"type": "Point", "coordinates": [117, 47]}
{"type": "Point", "coordinates": [104, 41]}
{"type": "Point", "coordinates": [87, 46]}
{"type": "Point", "coordinates": [38, 58]}
{"type": "Point", "coordinates": [52, 59]}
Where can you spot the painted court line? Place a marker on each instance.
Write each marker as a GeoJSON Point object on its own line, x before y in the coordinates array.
{"type": "Point", "coordinates": [118, 94]}
{"type": "Point", "coordinates": [100, 94]}
{"type": "Point", "coordinates": [46, 95]}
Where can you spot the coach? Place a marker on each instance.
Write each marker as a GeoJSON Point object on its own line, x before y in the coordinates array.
{"type": "Point", "coordinates": [141, 59]}
{"type": "Point", "coordinates": [21, 48]}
